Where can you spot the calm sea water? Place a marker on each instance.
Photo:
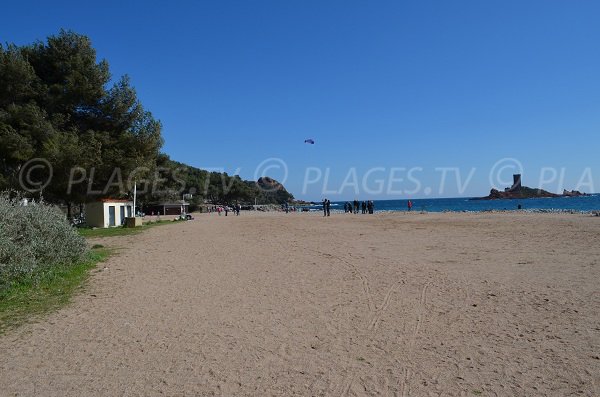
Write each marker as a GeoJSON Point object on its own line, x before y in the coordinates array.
{"type": "Point", "coordinates": [584, 204]}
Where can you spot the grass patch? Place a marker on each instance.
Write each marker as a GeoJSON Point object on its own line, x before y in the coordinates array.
{"type": "Point", "coordinates": [119, 231]}
{"type": "Point", "coordinates": [47, 290]}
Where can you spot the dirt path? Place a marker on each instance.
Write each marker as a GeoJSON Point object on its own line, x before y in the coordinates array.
{"type": "Point", "coordinates": [274, 304]}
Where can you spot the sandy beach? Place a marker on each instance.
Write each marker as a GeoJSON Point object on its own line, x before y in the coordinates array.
{"type": "Point", "coordinates": [274, 304]}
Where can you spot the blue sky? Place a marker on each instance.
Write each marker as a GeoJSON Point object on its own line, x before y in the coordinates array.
{"type": "Point", "coordinates": [391, 85]}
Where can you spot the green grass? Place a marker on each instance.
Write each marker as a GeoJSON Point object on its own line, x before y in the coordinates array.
{"type": "Point", "coordinates": [119, 231]}
{"type": "Point", "coordinates": [54, 287]}
{"type": "Point", "coordinates": [45, 291]}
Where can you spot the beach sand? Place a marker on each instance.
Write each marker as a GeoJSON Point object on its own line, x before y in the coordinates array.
{"type": "Point", "coordinates": [274, 304]}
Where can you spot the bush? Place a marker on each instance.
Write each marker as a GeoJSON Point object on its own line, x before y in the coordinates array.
{"type": "Point", "coordinates": [34, 238]}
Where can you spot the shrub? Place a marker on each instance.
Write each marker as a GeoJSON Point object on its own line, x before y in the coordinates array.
{"type": "Point", "coordinates": [34, 238]}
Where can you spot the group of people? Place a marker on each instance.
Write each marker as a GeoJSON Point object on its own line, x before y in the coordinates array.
{"type": "Point", "coordinates": [220, 209]}
{"type": "Point", "coordinates": [366, 207]}
{"type": "Point", "coordinates": [287, 208]}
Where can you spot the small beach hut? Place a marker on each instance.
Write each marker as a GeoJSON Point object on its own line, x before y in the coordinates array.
{"type": "Point", "coordinates": [108, 212]}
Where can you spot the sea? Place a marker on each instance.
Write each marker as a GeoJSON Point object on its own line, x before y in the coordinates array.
{"type": "Point", "coordinates": [583, 204]}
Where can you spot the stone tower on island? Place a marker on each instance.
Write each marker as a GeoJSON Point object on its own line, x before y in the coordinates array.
{"type": "Point", "coordinates": [516, 186]}
{"type": "Point", "coordinates": [516, 182]}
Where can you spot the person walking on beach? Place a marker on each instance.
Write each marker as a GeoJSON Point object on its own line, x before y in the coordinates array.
{"type": "Point", "coordinates": [238, 208]}
{"type": "Point", "coordinates": [370, 206]}
{"type": "Point", "coordinates": [363, 207]}
{"type": "Point", "coordinates": [328, 204]}
{"type": "Point", "coordinates": [409, 205]}
{"type": "Point", "coordinates": [325, 207]}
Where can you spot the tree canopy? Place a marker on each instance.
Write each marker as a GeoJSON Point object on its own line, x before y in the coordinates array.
{"type": "Point", "coordinates": [56, 104]}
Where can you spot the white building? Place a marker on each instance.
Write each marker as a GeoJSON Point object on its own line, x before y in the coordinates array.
{"type": "Point", "coordinates": [108, 212]}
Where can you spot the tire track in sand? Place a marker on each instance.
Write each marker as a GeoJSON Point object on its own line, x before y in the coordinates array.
{"type": "Point", "coordinates": [364, 280]}
{"type": "Point", "coordinates": [349, 379]}
{"type": "Point", "coordinates": [374, 312]}
{"type": "Point", "coordinates": [420, 314]}
{"type": "Point", "coordinates": [403, 383]}
{"type": "Point", "coordinates": [347, 384]}
{"type": "Point", "coordinates": [374, 323]}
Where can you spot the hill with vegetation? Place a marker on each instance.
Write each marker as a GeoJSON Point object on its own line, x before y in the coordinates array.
{"type": "Point", "coordinates": [213, 187]}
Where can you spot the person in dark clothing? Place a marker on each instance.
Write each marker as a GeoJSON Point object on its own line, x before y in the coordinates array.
{"type": "Point", "coordinates": [370, 206]}
{"type": "Point", "coordinates": [325, 207]}
{"type": "Point", "coordinates": [328, 205]}
{"type": "Point", "coordinates": [355, 206]}
{"type": "Point", "coordinates": [364, 207]}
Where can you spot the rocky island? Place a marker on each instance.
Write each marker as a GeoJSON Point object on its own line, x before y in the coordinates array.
{"type": "Point", "coordinates": [517, 191]}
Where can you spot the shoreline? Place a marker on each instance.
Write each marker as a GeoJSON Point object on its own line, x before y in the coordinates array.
{"type": "Point", "coordinates": [499, 211]}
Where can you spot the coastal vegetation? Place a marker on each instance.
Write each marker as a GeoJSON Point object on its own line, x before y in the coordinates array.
{"type": "Point", "coordinates": [59, 103]}
{"type": "Point", "coordinates": [33, 238]}
{"type": "Point", "coordinates": [42, 259]}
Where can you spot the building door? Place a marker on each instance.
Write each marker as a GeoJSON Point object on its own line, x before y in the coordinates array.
{"type": "Point", "coordinates": [129, 211]}
{"type": "Point", "coordinates": [111, 215]}
{"type": "Point", "coordinates": [122, 214]}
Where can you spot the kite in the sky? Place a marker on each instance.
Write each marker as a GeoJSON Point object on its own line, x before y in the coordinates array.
{"type": "Point", "coordinates": [309, 141]}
